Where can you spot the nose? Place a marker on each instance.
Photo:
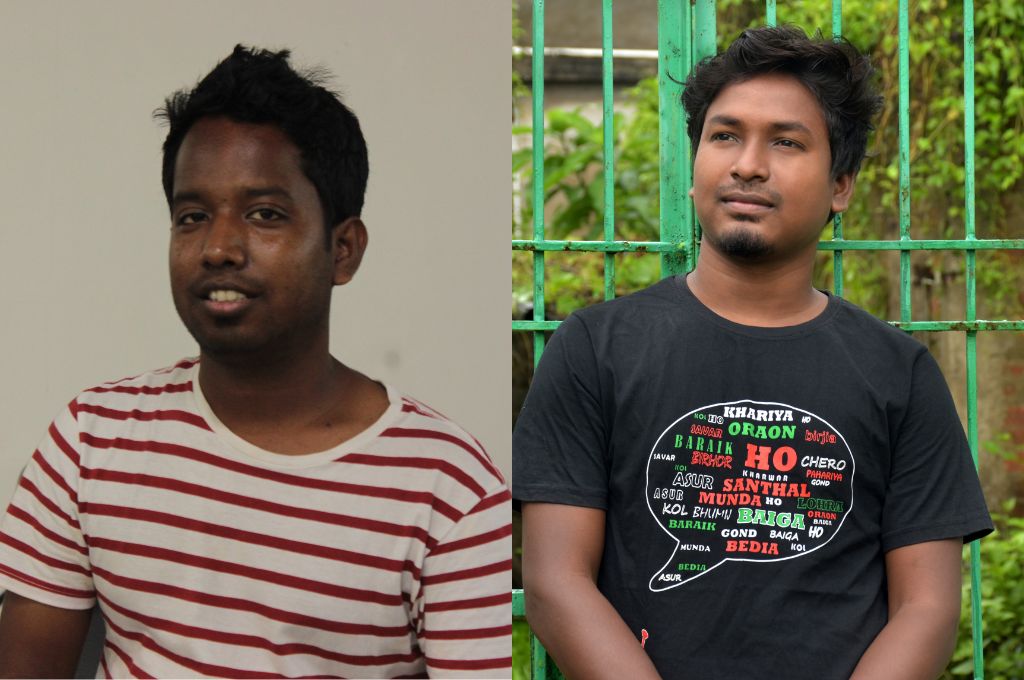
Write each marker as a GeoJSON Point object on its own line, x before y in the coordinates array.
{"type": "Point", "coordinates": [225, 243]}
{"type": "Point", "coordinates": [750, 163]}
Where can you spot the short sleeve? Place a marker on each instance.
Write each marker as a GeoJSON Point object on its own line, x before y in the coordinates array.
{"type": "Point", "coordinates": [465, 603]}
{"type": "Point", "coordinates": [43, 554]}
{"type": "Point", "coordinates": [934, 492]}
{"type": "Point", "coordinates": [560, 442]}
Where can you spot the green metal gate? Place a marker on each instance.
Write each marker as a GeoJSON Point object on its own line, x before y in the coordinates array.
{"type": "Point", "coordinates": [687, 33]}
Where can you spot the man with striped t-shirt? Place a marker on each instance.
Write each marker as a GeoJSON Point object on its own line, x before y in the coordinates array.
{"type": "Point", "coordinates": [262, 510]}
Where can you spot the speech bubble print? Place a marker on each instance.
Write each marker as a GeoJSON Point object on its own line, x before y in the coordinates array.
{"type": "Point", "coordinates": [746, 481]}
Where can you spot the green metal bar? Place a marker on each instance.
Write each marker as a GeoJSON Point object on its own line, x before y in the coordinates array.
{"type": "Point", "coordinates": [837, 221]}
{"type": "Point", "coordinates": [926, 244]}
{"type": "Point", "coordinates": [975, 549]}
{"type": "Point", "coordinates": [977, 628]}
{"type": "Point", "coordinates": [904, 155]}
{"type": "Point", "coordinates": [599, 246]}
{"type": "Point", "coordinates": [518, 603]}
{"type": "Point", "coordinates": [705, 45]}
{"type": "Point", "coordinates": [972, 438]}
{"type": "Point", "coordinates": [538, 172]}
{"type": "Point", "coordinates": [607, 86]}
{"type": "Point", "coordinates": [970, 326]}
{"type": "Point", "coordinates": [866, 244]}
{"type": "Point", "coordinates": [538, 659]}
{"type": "Point", "coordinates": [705, 30]}
{"type": "Point", "coordinates": [673, 145]}
{"type": "Point", "coordinates": [911, 326]}
{"type": "Point", "coordinates": [771, 13]}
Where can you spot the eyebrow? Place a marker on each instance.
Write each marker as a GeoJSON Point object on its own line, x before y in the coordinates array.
{"type": "Point", "coordinates": [251, 192]}
{"type": "Point", "coordinates": [779, 126]}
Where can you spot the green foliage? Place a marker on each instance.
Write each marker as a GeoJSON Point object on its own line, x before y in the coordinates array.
{"type": "Point", "coordinates": [574, 179]}
{"type": "Point", "coordinates": [518, 88]}
{"type": "Point", "coordinates": [520, 650]}
{"type": "Point", "coordinates": [574, 176]}
{"type": "Point", "coordinates": [574, 187]}
{"type": "Point", "coordinates": [1002, 601]}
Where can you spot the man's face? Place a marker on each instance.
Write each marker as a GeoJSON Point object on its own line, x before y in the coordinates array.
{"type": "Point", "coordinates": [251, 270]}
{"type": "Point", "coordinates": [762, 187]}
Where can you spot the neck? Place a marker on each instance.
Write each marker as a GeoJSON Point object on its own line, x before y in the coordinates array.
{"type": "Point", "coordinates": [768, 294]}
{"type": "Point", "coordinates": [260, 388]}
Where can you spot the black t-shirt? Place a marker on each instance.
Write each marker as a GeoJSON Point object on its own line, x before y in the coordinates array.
{"type": "Point", "coordinates": [753, 478]}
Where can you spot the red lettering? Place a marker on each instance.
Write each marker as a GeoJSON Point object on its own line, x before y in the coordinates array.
{"type": "Point", "coordinates": [709, 460]}
{"type": "Point", "coordinates": [784, 458]}
{"type": "Point", "coordinates": [706, 431]}
{"type": "Point", "coordinates": [757, 456]}
{"type": "Point", "coordinates": [762, 547]}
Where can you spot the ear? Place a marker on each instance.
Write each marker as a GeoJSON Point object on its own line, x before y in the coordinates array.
{"type": "Point", "coordinates": [348, 243]}
{"type": "Point", "coordinates": [842, 192]}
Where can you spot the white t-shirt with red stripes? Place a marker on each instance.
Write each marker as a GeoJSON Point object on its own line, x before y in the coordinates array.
{"type": "Point", "coordinates": [386, 556]}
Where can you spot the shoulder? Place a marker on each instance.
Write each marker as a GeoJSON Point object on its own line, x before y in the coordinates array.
{"type": "Point", "coordinates": [170, 387]}
{"type": "Point", "coordinates": [623, 318]}
{"type": "Point", "coordinates": [873, 334]}
{"type": "Point", "coordinates": [430, 441]}
{"type": "Point", "coordinates": [651, 300]}
{"type": "Point", "coordinates": [174, 378]}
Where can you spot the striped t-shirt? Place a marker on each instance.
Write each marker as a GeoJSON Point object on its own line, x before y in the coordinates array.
{"type": "Point", "coordinates": [386, 556]}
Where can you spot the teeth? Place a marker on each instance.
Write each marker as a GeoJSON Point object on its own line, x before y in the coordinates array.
{"type": "Point", "coordinates": [226, 295]}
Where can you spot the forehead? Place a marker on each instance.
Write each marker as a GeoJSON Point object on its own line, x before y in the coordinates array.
{"type": "Point", "coordinates": [767, 100]}
{"type": "Point", "coordinates": [219, 150]}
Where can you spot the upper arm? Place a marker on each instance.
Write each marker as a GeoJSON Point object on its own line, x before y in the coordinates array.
{"type": "Point", "coordinates": [560, 448]}
{"type": "Point", "coordinates": [933, 489]}
{"type": "Point", "coordinates": [43, 552]}
{"type": "Point", "coordinates": [464, 623]}
{"type": "Point", "coordinates": [38, 640]}
{"type": "Point", "coordinates": [560, 540]}
{"type": "Point", "coordinates": [926, 574]}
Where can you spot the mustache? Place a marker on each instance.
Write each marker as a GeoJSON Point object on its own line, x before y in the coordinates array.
{"type": "Point", "coordinates": [773, 197]}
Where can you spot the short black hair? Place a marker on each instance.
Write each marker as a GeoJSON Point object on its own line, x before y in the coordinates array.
{"type": "Point", "coordinates": [835, 71]}
{"type": "Point", "coordinates": [259, 86]}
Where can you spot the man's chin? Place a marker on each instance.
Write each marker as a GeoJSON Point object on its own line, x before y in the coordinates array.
{"type": "Point", "coordinates": [743, 244]}
{"type": "Point", "coordinates": [225, 343]}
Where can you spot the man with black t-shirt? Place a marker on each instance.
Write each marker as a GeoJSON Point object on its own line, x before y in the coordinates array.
{"type": "Point", "coordinates": [731, 474]}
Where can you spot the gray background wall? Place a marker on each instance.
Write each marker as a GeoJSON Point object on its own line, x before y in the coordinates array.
{"type": "Point", "coordinates": [83, 274]}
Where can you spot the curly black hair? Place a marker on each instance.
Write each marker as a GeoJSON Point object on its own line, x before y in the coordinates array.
{"type": "Point", "coordinates": [259, 86]}
{"type": "Point", "coordinates": [838, 75]}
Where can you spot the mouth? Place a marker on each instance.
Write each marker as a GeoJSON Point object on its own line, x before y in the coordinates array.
{"type": "Point", "coordinates": [225, 300]}
{"type": "Point", "coordinates": [747, 204]}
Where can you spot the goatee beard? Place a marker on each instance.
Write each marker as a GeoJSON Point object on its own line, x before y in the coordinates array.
{"type": "Point", "coordinates": [742, 244]}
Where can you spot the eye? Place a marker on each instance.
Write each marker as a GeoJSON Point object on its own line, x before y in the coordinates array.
{"type": "Point", "coordinates": [266, 214]}
{"type": "Point", "coordinates": [187, 218]}
{"type": "Point", "coordinates": [720, 136]}
{"type": "Point", "coordinates": [789, 143]}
